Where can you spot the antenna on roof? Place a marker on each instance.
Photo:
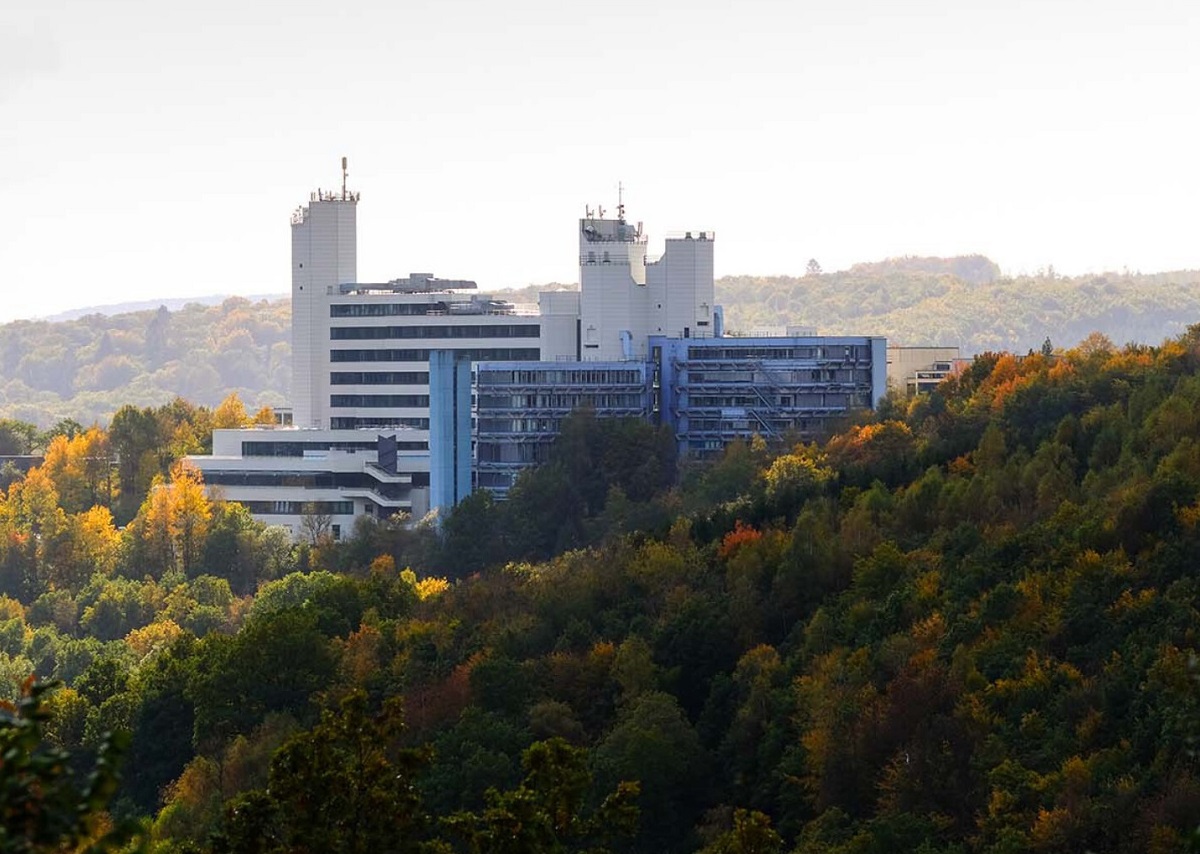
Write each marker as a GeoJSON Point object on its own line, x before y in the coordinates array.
{"type": "Point", "coordinates": [344, 174]}
{"type": "Point", "coordinates": [620, 202]}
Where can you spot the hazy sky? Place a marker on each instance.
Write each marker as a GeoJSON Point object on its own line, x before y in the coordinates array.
{"type": "Point", "coordinates": [155, 149]}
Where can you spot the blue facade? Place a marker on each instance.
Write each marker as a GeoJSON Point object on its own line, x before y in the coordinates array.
{"type": "Point", "coordinates": [520, 407]}
{"type": "Point", "coordinates": [711, 391]}
{"type": "Point", "coordinates": [449, 429]}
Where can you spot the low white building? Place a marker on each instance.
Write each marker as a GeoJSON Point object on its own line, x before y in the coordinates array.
{"type": "Point", "coordinates": [298, 477]}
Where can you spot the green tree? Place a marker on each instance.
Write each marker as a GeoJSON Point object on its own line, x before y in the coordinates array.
{"type": "Point", "coordinates": [751, 834]}
{"type": "Point", "coordinates": [42, 806]}
{"type": "Point", "coordinates": [17, 437]}
{"type": "Point", "coordinates": [654, 743]}
{"type": "Point", "coordinates": [546, 814]}
{"type": "Point", "coordinates": [343, 786]}
{"type": "Point", "coordinates": [134, 437]}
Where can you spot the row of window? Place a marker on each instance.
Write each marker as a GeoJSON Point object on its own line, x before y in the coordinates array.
{"type": "Point", "coordinates": [508, 330]}
{"type": "Point", "coordinates": [814, 375]}
{"type": "Point", "coordinates": [477, 354]}
{"type": "Point", "coordinates": [498, 481]}
{"type": "Point", "coordinates": [561, 401]}
{"type": "Point", "coordinates": [299, 508]}
{"type": "Point", "coordinates": [379, 378]}
{"type": "Point", "coordinates": [321, 480]}
{"type": "Point", "coordinates": [562, 377]}
{"type": "Point", "coordinates": [380, 423]}
{"type": "Point", "coordinates": [829, 353]}
{"type": "Point", "coordinates": [377, 401]}
{"type": "Point", "coordinates": [520, 425]}
{"type": "Point", "coordinates": [513, 452]}
{"type": "Point", "coordinates": [788, 402]}
{"type": "Point", "coordinates": [388, 309]}
{"type": "Point", "coordinates": [701, 425]}
{"type": "Point", "coordinates": [297, 449]}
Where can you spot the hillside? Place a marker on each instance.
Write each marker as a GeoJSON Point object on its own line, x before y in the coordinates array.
{"type": "Point", "coordinates": [86, 368]}
{"type": "Point", "coordinates": [965, 626]}
{"type": "Point", "coordinates": [964, 302]}
{"type": "Point", "coordinates": [89, 367]}
{"type": "Point", "coordinates": [170, 303]}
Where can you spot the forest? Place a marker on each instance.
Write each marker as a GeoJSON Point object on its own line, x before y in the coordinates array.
{"type": "Point", "coordinates": [86, 368]}
{"type": "Point", "coordinates": [968, 302]}
{"type": "Point", "coordinates": [964, 623]}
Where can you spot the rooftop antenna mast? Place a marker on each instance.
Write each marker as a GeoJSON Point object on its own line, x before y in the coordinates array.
{"type": "Point", "coordinates": [620, 202]}
{"type": "Point", "coordinates": [344, 174]}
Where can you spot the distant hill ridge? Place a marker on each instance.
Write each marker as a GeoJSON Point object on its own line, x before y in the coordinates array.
{"type": "Point", "coordinates": [171, 304]}
{"type": "Point", "coordinates": [972, 269]}
{"type": "Point", "coordinates": [966, 302]}
{"type": "Point", "coordinates": [93, 360]}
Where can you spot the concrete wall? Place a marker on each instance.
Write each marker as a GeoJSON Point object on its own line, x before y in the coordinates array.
{"type": "Point", "coordinates": [324, 255]}
{"type": "Point", "coordinates": [559, 316]}
{"type": "Point", "coordinates": [904, 362]}
{"type": "Point", "coordinates": [613, 292]}
{"type": "Point", "coordinates": [681, 288]}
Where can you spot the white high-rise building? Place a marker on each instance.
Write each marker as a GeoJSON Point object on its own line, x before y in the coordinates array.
{"type": "Point", "coordinates": [324, 257]}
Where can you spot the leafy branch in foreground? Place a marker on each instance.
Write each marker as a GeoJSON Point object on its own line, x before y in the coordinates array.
{"type": "Point", "coordinates": [42, 807]}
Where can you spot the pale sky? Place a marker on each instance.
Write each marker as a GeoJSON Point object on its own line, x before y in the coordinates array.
{"type": "Point", "coordinates": [154, 148]}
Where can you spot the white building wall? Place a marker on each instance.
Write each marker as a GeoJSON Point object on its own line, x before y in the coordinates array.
{"type": "Point", "coordinates": [680, 287]}
{"type": "Point", "coordinates": [227, 457]}
{"type": "Point", "coordinates": [613, 292]}
{"type": "Point", "coordinates": [904, 362]}
{"type": "Point", "coordinates": [324, 256]}
{"type": "Point", "coordinates": [559, 315]}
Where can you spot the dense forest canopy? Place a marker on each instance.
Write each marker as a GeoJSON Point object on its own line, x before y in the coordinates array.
{"type": "Point", "coordinates": [965, 623]}
{"type": "Point", "coordinates": [86, 368]}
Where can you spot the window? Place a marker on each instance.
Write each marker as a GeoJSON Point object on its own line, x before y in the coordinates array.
{"type": "Point", "coordinates": [478, 354]}
{"type": "Point", "coordinates": [506, 330]}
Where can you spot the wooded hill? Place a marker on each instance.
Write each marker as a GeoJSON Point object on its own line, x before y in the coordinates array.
{"type": "Point", "coordinates": [87, 368]}
{"type": "Point", "coordinates": [965, 302]}
{"type": "Point", "coordinates": [967, 624]}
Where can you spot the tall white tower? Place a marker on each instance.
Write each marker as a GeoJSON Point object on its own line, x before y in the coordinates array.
{"type": "Point", "coordinates": [612, 285]}
{"type": "Point", "coordinates": [324, 257]}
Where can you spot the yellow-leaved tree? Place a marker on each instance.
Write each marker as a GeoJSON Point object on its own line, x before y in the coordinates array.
{"type": "Point", "coordinates": [81, 469]}
{"type": "Point", "coordinates": [173, 522]}
{"type": "Point", "coordinates": [191, 513]}
{"type": "Point", "coordinates": [265, 416]}
{"type": "Point", "coordinates": [231, 412]}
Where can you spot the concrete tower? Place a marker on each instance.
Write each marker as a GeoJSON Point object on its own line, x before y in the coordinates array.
{"type": "Point", "coordinates": [612, 285]}
{"type": "Point", "coordinates": [624, 299]}
{"type": "Point", "coordinates": [324, 257]}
